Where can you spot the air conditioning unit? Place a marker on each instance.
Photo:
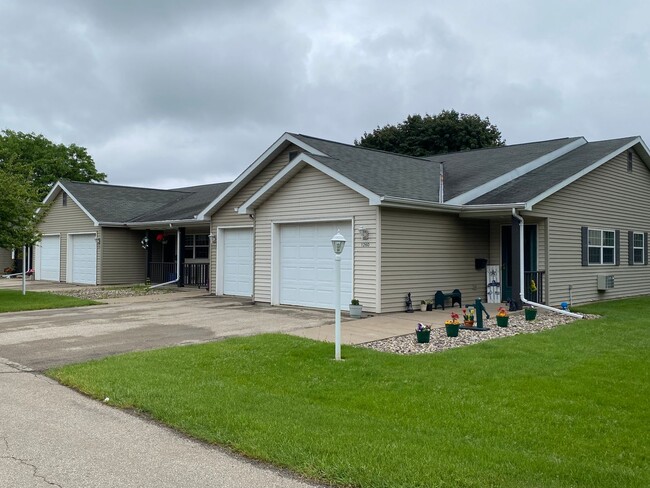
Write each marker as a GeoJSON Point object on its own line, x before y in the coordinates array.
{"type": "Point", "coordinates": [605, 282]}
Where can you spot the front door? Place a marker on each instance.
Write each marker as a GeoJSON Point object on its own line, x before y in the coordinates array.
{"type": "Point", "coordinates": [530, 256]}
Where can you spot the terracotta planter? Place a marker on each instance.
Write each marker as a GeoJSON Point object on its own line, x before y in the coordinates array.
{"type": "Point", "coordinates": [469, 323]}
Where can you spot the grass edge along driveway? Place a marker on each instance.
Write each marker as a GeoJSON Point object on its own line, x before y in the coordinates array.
{"type": "Point", "coordinates": [565, 407]}
{"type": "Point", "coordinates": [15, 301]}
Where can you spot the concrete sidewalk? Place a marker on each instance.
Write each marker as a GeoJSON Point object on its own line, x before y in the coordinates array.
{"type": "Point", "coordinates": [56, 437]}
{"type": "Point", "coordinates": [376, 327]}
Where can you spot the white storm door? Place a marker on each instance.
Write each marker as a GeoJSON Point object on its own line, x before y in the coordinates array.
{"type": "Point", "coordinates": [83, 259]}
{"type": "Point", "coordinates": [307, 264]}
{"type": "Point", "coordinates": [238, 262]}
{"type": "Point", "coordinates": [50, 258]}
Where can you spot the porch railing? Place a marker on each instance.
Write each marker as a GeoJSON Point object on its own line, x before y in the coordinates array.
{"type": "Point", "coordinates": [534, 286]}
{"type": "Point", "coordinates": [196, 274]}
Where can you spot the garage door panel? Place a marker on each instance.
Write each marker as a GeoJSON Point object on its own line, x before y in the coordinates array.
{"type": "Point", "coordinates": [307, 264]}
{"type": "Point", "coordinates": [50, 258]}
{"type": "Point", "coordinates": [238, 262]}
{"type": "Point", "coordinates": [83, 259]}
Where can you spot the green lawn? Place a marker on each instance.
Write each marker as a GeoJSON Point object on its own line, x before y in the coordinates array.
{"type": "Point", "coordinates": [15, 301]}
{"type": "Point", "coordinates": [566, 407]}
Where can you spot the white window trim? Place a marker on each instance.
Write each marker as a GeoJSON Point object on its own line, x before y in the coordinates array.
{"type": "Point", "coordinates": [601, 247]}
{"type": "Point", "coordinates": [194, 246]}
{"type": "Point", "coordinates": [634, 248]}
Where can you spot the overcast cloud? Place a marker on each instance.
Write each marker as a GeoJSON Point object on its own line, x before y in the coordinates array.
{"type": "Point", "coordinates": [171, 93]}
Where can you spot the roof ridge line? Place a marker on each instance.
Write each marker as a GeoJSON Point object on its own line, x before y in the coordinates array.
{"type": "Point", "coordinates": [421, 158]}
{"type": "Point", "coordinates": [495, 183]}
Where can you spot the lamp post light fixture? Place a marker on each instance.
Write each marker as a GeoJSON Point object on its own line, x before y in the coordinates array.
{"type": "Point", "coordinates": [338, 243]}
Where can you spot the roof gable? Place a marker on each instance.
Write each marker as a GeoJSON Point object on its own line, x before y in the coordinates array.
{"type": "Point", "coordinates": [114, 204]}
{"type": "Point", "coordinates": [254, 169]}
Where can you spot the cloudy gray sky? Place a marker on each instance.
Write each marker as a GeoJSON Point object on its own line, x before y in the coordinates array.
{"type": "Point", "coordinates": [170, 93]}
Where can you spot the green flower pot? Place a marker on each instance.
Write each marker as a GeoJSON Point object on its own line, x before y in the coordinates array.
{"type": "Point", "coordinates": [423, 336]}
{"type": "Point", "coordinates": [502, 321]}
{"type": "Point", "coordinates": [531, 313]}
{"type": "Point", "coordinates": [452, 330]}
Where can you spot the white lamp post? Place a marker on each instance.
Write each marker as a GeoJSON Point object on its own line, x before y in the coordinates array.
{"type": "Point", "coordinates": [338, 243]}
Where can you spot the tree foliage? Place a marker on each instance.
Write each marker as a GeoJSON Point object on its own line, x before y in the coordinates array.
{"type": "Point", "coordinates": [448, 131]}
{"type": "Point", "coordinates": [29, 165]}
{"type": "Point", "coordinates": [46, 161]}
{"type": "Point", "coordinates": [19, 203]}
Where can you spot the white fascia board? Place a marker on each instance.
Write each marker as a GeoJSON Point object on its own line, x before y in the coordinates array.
{"type": "Point", "coordinates": [588, 169]}
{"type": "Point", "coordinates": [515, 173]}
{"type": "Point", "coordinates": [445, 207]}
{"type": "Point", "coordinates": [166, 223]}
{"type": "Point", "coordinates": [290, 170]}
{"type": "Point", "coordinates": [51, 196]}
{"type": "Point", "coordinates": [263, 160]}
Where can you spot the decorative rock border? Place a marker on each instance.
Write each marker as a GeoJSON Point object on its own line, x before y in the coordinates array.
{"type": "Point", "coordinates": [407, 344]}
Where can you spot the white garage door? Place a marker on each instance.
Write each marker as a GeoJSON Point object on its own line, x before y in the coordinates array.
{"type": "Point", "coordinates": [49, 259]}
{"type": "Point", "coordinates": [83, 259]}
{"type": "Point", "coordinates": [307, 264]}
{"type": "Point", "coordinates": [238, 262]}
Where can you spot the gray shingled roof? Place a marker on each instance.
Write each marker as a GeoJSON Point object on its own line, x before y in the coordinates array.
{"type": "Point", "coordinates": [466, 170]}
{"type": "Point", "coordinates": [536, 182]}
{"type": "Point", "coordinates": [381, 172]}
{"type": "Point", "coordinates": [394, 175]}
{"type": "Point", "coordinates": [188, 207]}
{"type": "Point", "coordinates": [113, 203]}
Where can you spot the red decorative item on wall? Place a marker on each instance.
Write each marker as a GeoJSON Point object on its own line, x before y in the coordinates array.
{"type": "Point", "coordinates": [160, 237]}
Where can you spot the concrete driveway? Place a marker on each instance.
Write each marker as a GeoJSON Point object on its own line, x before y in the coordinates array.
{"type": "Point", "coordinates": [47, 338]}
{"type": "Point", "coordinates": [53, 436]}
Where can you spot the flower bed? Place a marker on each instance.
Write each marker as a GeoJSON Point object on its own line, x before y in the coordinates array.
{"type": "Point", "coordinates": [439, 341]}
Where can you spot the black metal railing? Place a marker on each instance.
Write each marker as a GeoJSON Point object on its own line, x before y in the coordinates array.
{"type": "Point", "coordinates": [533, 286]}
{"type": "Point", "coordinates": [195, 274]}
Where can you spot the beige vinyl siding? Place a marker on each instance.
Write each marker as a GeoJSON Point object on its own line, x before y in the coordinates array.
{"type": "Point", "coordinates": [227, 216]}
{"type": "Point", "coordinates": [63, 221]}
{"type": "Point", "coordinates": [607, 198]}
{"type": "Point", "coordinates": [123, 260]}
{"type": "Point", "coordinates": [313, 196]}
{"type": "Point", "coordinates": [422, 252]}
{"type": "Point", "coordinates": [5, 259]}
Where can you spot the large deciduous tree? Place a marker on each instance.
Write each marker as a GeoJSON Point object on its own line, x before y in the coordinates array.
{"type": "Point", "coordinates": [46, 161]}
{"type": "Point", "coordinates": [446, 132]}
{"type": "Point", "coordinates": [18, 206]}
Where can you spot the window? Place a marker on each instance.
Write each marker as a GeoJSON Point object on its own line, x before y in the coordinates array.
{"type": "Point", "coordinates": [602, 246]}
{"type": "Point", "coordinates": [64, 199]}
{"type": "Point", "coordinates": [197, 246]}
{"type": "Point", "coordinates": [638, 248]}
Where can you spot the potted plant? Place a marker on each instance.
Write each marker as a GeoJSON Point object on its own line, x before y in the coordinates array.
{"type": "Point", "coordinates": [452, 326]}
{"type": "Point", "coordinates": [530, 312]}
{"type": "Point", "coordinates": [429, 305]}
{"type": "Point", "coordinates": [355, 309]}
{"type": "Point", "coordinates": [423, 306]}
{"type": "Point", "coordinates": [423, 333]}
{"type": "Point", "coordinates": [468, 317]}
{"type": "Point", "coordinates": [502, 317]}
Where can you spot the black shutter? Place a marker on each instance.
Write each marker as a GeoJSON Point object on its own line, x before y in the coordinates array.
{"type": "Point", "coordinates": [585, 248]}
{"type": "Point", "coordinates": [645, 247]}
{"type": "Point", "coordinates": [630, 247]}
{"type": "Point", "coordinates": [617, 243]}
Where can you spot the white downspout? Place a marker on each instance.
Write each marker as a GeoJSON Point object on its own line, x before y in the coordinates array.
{"type": "Point", "coordinates": [521, 274]}
{"type": "Point", "coordinates": [178, 263]}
